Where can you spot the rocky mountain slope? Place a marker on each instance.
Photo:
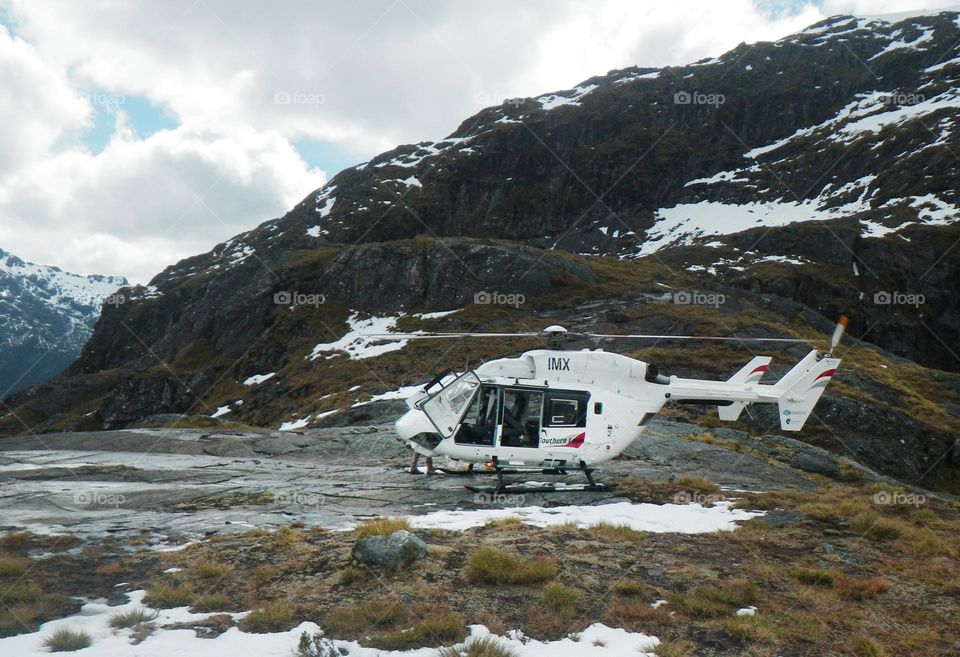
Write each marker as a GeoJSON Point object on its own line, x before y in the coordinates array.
{"type": "Point", "coordinates": [46, 316]}
{"type": "Point", "coordinates": [760, 192]}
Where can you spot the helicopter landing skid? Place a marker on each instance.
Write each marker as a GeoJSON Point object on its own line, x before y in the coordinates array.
{"type": "Point", "coordinates": [503, 487]}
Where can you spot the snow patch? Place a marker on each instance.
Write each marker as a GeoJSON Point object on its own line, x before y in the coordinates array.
{"type": "Point", "coordinates": [257, 379]}
{"type": "Point", "coordinates": [655, 518]}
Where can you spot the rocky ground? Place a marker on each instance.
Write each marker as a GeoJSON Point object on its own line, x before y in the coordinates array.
{"type": "Point", "coordinates": [842, 561]}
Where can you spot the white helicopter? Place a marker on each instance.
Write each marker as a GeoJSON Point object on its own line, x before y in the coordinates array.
{"type": "Point", "coordinates": [551, 409]}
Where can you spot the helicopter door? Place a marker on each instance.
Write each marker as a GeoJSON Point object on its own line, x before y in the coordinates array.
{"type": "Point", "coordinates": [564, 419]}
{"type": "Point", "coordinates": [479, 425]}
{"type": "Point", "coordinates": [520, 418]}
{"type": "Point", "coordinates": [446, 407]}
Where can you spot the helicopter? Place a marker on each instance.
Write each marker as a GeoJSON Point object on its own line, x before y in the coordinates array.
{"type": "Point", "coordinates": [552, 410]}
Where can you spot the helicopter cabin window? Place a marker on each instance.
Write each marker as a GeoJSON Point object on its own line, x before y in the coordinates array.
{"type": "Point", "coordinates": [480, 422]}
{"type": "Point", "coordinates": [566, 410]}
{"type": "Point", "coordinates": [521, 418]}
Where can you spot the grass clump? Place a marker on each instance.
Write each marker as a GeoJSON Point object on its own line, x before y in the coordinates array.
{"type": "Point", "coordinates": [631, 589]}
{"type": "Point", "coordinates": [749, 629]}
{"type": "Point", "coordinates": [816, 576]}
{"type": "Point", "coordinates": [489, 565]}
{"type": "Point", "coordinates": [210, 603]}
{"type": "Point", "coordinates": [674, 648]}
{"type": "Point", "coordinates": [862, 589]}
{"type": "Point", "coordinates": [698, 484]}
{"type": "Point", "coordinates": [354, 619]}
{"type": "Point", "coordinates": [208, 570]}
{"type": "Point", "coordinates": [875, 527]}
{"type": "Point", "coordinates": [636, 615]}
{"type": "Point", "coordinates": [714, 601]}
{"type": "Point", "coordinates": [381, 527]}
{"type": "Point", "coordinates": [67, 640]}
{"type": "Point", "coordinates": [562, 600]}
{"type": "Point", "coordinates": [864, 646]}
{"type": "Point", "coordinates": [131, 618]}
{"type": "Point", "coordinates": [351, 575]}
{"type": "Point", "coordinates": [165, 596]}
{"type": "Point", "coordinates": [505, 523]}
{"type": "Point", "coordinates": [13, 566]}
{"type": "Point", "coordinates": [487, 646]}
{"type": "Point", "coordinates": [442, 627]}
{"type": "Point", "coordinates": [271, 617]}
{"type": "Point", "coordinates": [606, 531]}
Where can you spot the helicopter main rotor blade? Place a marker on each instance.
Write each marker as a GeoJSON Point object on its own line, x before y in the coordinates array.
{"type": "Point", "coordinates": [440, 336]}
{"type": "Point", "coordinates": [645, 336]}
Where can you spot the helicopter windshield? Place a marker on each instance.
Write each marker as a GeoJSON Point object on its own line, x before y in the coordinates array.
{"type": "Point", "coordinates": [446, 407]}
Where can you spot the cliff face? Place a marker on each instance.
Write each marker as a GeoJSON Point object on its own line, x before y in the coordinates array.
{"type": "Point", "coordinates": [797, 179]}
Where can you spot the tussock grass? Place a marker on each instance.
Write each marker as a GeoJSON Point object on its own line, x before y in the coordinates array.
{"type": "Point", "coordinates": [67, 640]}
{"type": "Point", "coordinates": [210, 603]}
{"type": "Point", "coordinates": [381, 527]}
{"type": "Point", "coordinates": [504, 523]}
{"type": "Point", "coordinates": [561, 599]}
{"type": "Point", "coordinates": [487, 646]}
{"type": "Point", "coordinates": [271, 617]}
{"type": "Point", "coordinates": [165, 596]}
{"type": "Point", "coordinates": [632, 589]}
{"type": "Point", "coordinates": [13, 566]}
{"type": "Point", "coordinates": [353, 620]}
{"type": "Point", "coordinates": [351, 575]}
{"type": "Point", "coordinates": [442, 627]}
{"type": "Point", "coordinates": [714, 601]}
{"type": "Point", "coordinates": [674, 648]}
{"type": "Point", "coordinates": [208, 570]}
{"type": "Point", "coordinates": [750, 629]}
{"type": "Point", "coordinates": [636, 615]}
{"type": "Point", "coordinates": [490, 565]}
{"type": "Point", "coordinates": [606, 531]}
{"type": "Point", "coordinates": [862, 589]}
{"type": "Point", "coordinates": [864, 646]}
{"type": "Point", "coordinates": [132, 618]}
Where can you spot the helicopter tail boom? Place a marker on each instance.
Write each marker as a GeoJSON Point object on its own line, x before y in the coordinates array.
{"type": "Point", "coordinates": [795, 394]}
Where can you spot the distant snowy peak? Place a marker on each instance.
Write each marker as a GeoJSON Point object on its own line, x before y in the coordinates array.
{"type": "Point", "coordinates": [72, 293]}
{"type": "Point", "coordinates": [46, 316]}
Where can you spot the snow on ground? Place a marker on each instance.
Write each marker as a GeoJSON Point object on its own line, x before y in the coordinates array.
{"type": "Point", "coordinates": [258, 379]}
{"type": "Point", "coordinates": [403, 392]}
{"type": "Point", "coordinates": [597, 640]}
{"type": "Point", "coordinates": [221, 410]}
{"type": "Point", "coordinates": [358, 345]}
{"type": "Point", "coordinates": [293, 425]}
{"type": "Point", "coordinates": [656, 518]}
{"type": "Point", "coordinates": [553, 101]}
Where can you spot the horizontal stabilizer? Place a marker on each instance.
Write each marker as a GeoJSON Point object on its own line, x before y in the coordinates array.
{"type": "Point", "coordinates": [749, 373]}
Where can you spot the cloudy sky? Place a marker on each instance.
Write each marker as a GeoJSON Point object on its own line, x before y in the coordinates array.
{"type": "Point", "coordinates": [135, 133]}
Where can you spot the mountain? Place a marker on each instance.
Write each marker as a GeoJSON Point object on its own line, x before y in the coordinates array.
{"type": "Point", "coordinates": [761, 192]}
{"type": "Point", "coordinates": [46, 316]}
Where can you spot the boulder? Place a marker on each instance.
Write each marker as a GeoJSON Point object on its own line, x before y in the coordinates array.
{"type": "Point", "coordinates": [401, 548]}
{"type": "Point", "coordinates": [811, 459]}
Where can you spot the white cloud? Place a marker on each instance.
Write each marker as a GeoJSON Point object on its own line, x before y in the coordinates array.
{"type": "Point", "coordinates": [366, 75]}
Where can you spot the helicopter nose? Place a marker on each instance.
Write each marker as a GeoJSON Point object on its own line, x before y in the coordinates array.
{"type": "Point", "coordinates": [413, 422]}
